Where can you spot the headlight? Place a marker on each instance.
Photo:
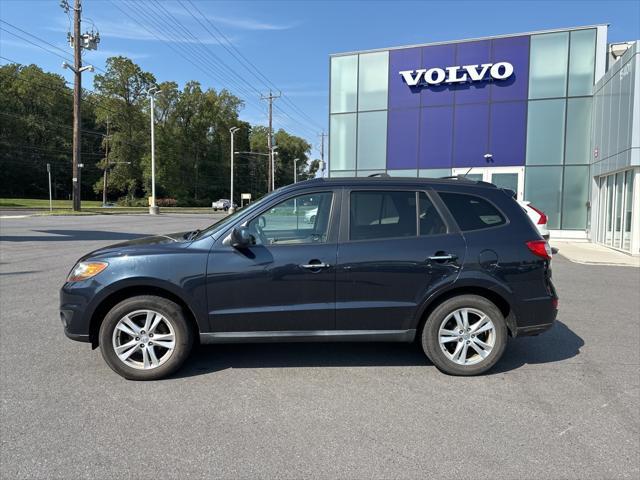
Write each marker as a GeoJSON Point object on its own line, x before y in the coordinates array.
{"type": "Point", "coordinates": [85, 270]}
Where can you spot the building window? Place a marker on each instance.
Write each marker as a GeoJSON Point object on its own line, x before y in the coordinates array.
{"type": "Point", "coordinates": [344, 84]}
{"type": "Point", "coordinates": [372, 81]}
{"type": "Point", "coordinates": [582, 58]}
{"type": "Point", "coordinates": [342, 150]}
{"type": "Point", "coordinates": [542, 187]}
{"type": "Point", "coordinates": [548, 70]}
{"type": "Point", "coordinates": [575, 195]}
{"type": "Point", "coordinates": [545, 132]}
{"type": "Point", "coordinates": [372, 140]}
{"type": "Point", "coordinates": [578, 150]}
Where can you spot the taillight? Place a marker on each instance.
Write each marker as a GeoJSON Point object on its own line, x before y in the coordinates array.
{"type": "Point", "coordinates": [543, 218]}
{"type": "Point", "coordinates": [540, 248]}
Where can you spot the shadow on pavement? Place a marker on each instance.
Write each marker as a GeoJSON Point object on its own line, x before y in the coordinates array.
{"type": "Point", "coordinates": [559, 343]}
{"type": "Point", "coordinates": [70, 236]}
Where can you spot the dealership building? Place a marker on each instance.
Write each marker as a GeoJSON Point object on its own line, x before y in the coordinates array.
{"type": "Point", "coordinates": [553, 115]}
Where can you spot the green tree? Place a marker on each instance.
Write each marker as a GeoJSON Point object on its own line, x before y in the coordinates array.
{"type": "Point", "coordinates": [121, 92]}
{"type": "Point", "coordinates": [36, 129]}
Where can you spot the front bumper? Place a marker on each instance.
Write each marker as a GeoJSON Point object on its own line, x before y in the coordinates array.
{"type": "Point", "coordinates": [73, 313]}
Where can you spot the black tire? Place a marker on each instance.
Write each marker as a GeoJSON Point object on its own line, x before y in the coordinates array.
{"type": "Point", "coordinates": [433, 349]}
{"type": "Point", "coordinates": [173, 314]}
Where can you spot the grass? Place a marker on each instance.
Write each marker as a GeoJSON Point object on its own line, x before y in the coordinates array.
{"type": "Point", "coordinates": [43, 203]}
{"type": "Point", "coordinates": [89, 207]}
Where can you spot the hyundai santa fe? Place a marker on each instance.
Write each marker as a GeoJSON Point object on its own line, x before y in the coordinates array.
{"type": "Point", "coordinates": [452, 263]}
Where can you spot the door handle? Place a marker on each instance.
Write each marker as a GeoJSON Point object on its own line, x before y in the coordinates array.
{"type": "Point", "coordinates": [443, 257]}
{"type": "Point", "coordinates": [315, 266]}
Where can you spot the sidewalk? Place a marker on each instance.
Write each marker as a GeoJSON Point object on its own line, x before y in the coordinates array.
{"type": "Point", "coordinates": [582, 251]}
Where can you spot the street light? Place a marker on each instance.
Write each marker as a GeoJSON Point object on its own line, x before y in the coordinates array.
{"type": "Point", "coordinates": [232, 131]}
{"type": "Point", "coordinates": [153, 209]}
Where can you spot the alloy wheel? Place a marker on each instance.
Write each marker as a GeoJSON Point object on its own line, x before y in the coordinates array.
{"type": "Point", "coordinates": [144, 339]}
{"type": "Point", "coordinates": [467, 336]}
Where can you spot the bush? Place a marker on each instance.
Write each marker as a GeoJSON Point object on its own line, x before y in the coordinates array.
{"type": "Point", "coordinates": [166, 202]}
{"type": "Point", "coordinates": [133, 202]}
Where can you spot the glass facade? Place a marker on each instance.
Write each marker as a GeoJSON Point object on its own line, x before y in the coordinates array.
{"type": "Point", "coordinates": [412, 112]}
{"type": "Point", "coordinates": [615, 155]}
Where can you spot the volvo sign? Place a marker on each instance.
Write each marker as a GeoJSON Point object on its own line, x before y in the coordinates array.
{"type": "Point", "coordinates": [460, 74]}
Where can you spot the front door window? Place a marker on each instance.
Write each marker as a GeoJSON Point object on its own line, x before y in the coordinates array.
{"type": "Point", "coordinates": [299, 220]}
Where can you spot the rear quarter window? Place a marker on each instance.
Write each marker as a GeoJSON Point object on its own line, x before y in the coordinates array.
{"type": "Point", "coordinates": [472, 212]}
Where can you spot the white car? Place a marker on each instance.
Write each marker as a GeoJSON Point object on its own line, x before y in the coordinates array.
{"type": "Point", "coordinates": [310, 215]}
{"type": "Point", "coordinates": [538, 218]}
{"type": "Point", "coordinates": [222, 204]}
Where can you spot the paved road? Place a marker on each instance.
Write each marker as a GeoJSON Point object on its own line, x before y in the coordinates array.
{"type": "Point", "coordinates": [561, 405]}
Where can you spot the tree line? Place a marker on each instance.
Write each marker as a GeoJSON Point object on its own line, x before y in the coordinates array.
{"type": "Point", "coordinates": [191, 133]}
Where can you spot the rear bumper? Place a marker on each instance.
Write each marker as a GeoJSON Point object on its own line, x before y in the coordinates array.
{"type": "Point", "coordinates": [533, 330]}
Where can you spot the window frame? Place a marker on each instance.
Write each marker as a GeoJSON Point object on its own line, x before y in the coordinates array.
{"type": "Point", "coordinates": [345, 221]}
{"type": "Point", "coordinates": [453, 218]}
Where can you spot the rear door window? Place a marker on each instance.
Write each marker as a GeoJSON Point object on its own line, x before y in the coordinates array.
{"type": "Point", "coordinates": [382, 214]}
{"type": "Point", "coordinates": [472, 212]}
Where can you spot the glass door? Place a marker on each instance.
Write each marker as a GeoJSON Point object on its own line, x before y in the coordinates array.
{"type": "Point", "coordinates": [503, 177]}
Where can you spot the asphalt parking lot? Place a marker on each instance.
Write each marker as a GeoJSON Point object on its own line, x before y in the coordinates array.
{"type": "Point", "coordinates": [561, 405]}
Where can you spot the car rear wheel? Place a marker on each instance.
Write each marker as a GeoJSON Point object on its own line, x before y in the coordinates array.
{"type": "Point", "coordinates": [465, 335]}
{"type": "Point", "coordinates": [145, 338]}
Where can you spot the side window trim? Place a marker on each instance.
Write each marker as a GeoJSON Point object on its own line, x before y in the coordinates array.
{"type": "Point", "coordinates": [449, 223]}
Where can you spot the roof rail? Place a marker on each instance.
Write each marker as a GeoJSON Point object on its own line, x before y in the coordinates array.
{"type": "Point", "coordinates": [462, 178]}
{"type": "Point", "coordinates": [382, 175]}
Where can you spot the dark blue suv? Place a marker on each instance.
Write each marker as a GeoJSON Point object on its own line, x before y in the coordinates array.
{"type": "Point", "coordinates": [453, 263]}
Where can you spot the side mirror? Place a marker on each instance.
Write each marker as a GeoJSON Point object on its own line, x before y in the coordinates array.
{"type": "Point", "coordinates": [242, 238]}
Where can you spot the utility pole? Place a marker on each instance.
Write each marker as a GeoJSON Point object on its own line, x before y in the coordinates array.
{"type": "Point", "coordinates": [106, 167]}
{"type": "Point", "coordinates": [271, 175]}
{"type": "Point", "coordinates": [78, 41]}
{"type": "Point", "coordinates": [77, 92]}
{"type": "Point", "coordinates": [322, 137]}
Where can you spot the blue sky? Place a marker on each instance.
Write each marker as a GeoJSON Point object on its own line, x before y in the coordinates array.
{"type": "Point", "coordinates": [289, 41]}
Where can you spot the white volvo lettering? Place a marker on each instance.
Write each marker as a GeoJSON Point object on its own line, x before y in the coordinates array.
{"type": "Point", "coordinates": [457, 74]}
{"type": "Point", "coordinates": [409, 77]}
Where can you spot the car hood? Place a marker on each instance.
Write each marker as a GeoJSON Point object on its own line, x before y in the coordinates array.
{"type": "Point", "coordinates": [140, 245]}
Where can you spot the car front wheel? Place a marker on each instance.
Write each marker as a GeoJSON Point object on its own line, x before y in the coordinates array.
{"type": "Point", "coordinates": [465, 335]}
{"type": "Point", "coordinates": [145, 338]}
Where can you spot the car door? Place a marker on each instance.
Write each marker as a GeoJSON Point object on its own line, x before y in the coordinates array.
{"type": "Point", "coordinates": [395, 245]}
{"type": "Point", "coordinates": [286, 281]}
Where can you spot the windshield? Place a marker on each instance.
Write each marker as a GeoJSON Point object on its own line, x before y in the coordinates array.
{"type": "Point", "coordinates": [224, 222]}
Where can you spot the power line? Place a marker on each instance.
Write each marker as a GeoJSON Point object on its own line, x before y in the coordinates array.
{"type": "Point", "coordinates": [251, 67]}
{"type": "Point", "coordinates": [207, 65]}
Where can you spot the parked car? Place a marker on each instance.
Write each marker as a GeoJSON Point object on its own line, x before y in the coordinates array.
{"type": "Point", "coordinates": [455, 264]}
{"type": "Point", "coordinates": [538, 218]}
{"type": "Point", "coordinates": [222, 204]}
{"type": "Point", "coordinates": [310, 215]}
